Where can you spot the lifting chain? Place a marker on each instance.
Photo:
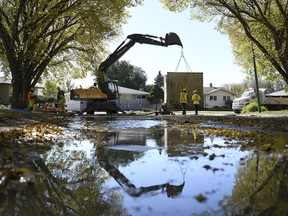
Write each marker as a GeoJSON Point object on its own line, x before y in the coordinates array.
{"type": "Point", "coordinates": [186, 63]}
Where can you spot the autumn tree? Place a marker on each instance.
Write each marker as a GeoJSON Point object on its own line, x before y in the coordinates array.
{"type": "Point", "coordinates": [236, 88]}
{"type": "Point", "coordinates": [39, 37]}
{"type": "Point", "coordinates": [127, 75]}
{"type": "Point", "coordinates": [261, 24]}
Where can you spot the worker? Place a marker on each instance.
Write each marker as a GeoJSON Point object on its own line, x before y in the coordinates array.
{"type": "Point", "coordinates": [183, 100]}
{"type": "Point", "coordinates": [196, 100]}
{"type": "Point", "coordinates": [31, 99]}
{"type": "Point", "coordinates": [61, 100]}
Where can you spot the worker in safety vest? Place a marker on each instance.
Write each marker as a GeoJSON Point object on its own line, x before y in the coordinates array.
{"type": "Point", "coordinates": [183, 100]}
{"type": "Point", "coordinates": [196, 100]}
{"type": "Point", "coordinates": [61, 101]}
{"type": "Point", "coordinates": [31, 99]}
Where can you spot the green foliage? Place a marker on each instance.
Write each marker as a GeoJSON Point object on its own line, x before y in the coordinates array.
{"type": "Point", "coordinates": [56, 37]}
{"type": "Point", "coordinates": [3, 106]}
{"type": "Point", "coordinates": [50, 88]}
{"type": "Point", "coordinates": [159, 79]}
{"type": "Point", "coordinates": [147, 88]}
{"type": "Point", "coordinates": [156, 95]}
{"type": "Point", "coordinates": [261, 24]}
{"type": "Point", "coordinates": [252, 107]}
{"type": "Point", "coordinates": [146, 109]}
{"type": "Point", "coordinates": [228, 103]}
{"type": "Point", "coordinates": [127, 75]}
{"type": "Point", "coordinates": [44, 99]}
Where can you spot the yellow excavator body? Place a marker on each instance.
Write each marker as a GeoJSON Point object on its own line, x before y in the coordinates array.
{"type": "Point", "coordinates": [91, 93]}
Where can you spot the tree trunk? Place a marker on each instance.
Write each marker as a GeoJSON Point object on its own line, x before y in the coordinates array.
{"type": "Point", "coordinates": [20, 91]}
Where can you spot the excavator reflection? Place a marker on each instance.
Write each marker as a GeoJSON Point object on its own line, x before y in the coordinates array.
{"type": "Point", "coordinates": [171, 190]}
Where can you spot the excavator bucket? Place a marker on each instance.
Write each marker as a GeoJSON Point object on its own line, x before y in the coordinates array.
{"type": "Point", "coordinates": [173, 39]}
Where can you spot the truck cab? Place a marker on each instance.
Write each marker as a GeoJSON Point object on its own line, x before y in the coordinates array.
{"type": "Point", "coordinates": [246, 98]}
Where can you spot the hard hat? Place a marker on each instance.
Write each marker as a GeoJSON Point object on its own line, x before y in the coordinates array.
{"type": "Point", "coordinates": [184, 89]}
{"type": "Point", "coordinates": [195, 92]}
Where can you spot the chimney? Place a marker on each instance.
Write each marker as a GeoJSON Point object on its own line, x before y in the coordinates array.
{"type": "Point", "coordinates": [210, 84]}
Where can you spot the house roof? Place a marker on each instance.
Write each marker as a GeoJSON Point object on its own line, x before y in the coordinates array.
{"type": "Point", "coordinates": [209, 90]}
{"type": "Point", "coordinates": [123, 90]}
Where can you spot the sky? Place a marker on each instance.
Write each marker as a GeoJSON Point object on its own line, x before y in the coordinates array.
{"type": "Point", "coordinates": [204, 49]}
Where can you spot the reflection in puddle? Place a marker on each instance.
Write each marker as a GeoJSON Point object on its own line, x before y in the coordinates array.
{"type": "Point", "coordinates": [136, 167]}
{"type": "Point", "coordinates": [181, 164]}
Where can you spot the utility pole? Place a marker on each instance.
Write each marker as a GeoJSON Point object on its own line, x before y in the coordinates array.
{"type": "Point", "coordinates": [256, 80]}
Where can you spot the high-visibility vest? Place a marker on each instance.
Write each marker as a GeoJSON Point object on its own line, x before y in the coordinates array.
{"type": "Point", "coordinates": [196, 98]}
{"type": "Point", "coordinates": [30, 96]}
{"type": "Point", "coordinates": [183, 97]}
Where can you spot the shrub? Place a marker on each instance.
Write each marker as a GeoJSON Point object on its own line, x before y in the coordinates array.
{"type": "Point", "coordinates": [146, 109]}
{"type": "Point", "coordinates": [43, 99]}
{"type": "Point", "coordinates": [252, 107]}
{"type": "Point", "coordinates": [2, 106]}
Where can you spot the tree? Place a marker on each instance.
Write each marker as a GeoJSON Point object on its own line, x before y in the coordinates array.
{"type": "Point", "coordinates": [156, 95]}
{"type": "Point", "coordinates": [40, 36]}
{"type": "Point", "coordinates": [159, 79]}
{"type": "Point", "coordinates": [262, 24]}
{"type": "Point", "coordinates": [127, 75]}
{"type": "Point", "coordinates": [236, 88]}
{"type": "Point", "coordinates": [147, 88]}
{"type": "Point", "coordinates": [50, 89]}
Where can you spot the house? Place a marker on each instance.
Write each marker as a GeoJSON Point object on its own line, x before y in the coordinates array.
{"type": "Point", "coordinates": [131, 99]}
{"type": "Point", "coordinates": [217, 97]}
{"type": "Point", "coordinates": [6, 91]}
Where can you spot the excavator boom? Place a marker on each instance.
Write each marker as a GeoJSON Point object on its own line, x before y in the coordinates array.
{"type": "Point", "coordinates": [170, 39]}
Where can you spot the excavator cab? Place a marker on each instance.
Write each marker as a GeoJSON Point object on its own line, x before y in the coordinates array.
{"type": "Point", "coordinates": [110, 88]}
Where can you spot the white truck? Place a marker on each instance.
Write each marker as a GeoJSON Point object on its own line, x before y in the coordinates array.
{"type": "Point", "coordinates": [273, 101]}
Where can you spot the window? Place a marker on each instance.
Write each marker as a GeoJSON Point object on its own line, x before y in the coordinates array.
{"type": "Point", "coordinates": [226, 98]}
{"type": "Point", "coordinates": [141, 96]}
{"type": "Point", "coordinates": [213, 98]}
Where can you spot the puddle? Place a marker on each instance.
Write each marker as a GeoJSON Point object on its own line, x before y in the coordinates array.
{"type": "Point", "coordinates": [148, 167]}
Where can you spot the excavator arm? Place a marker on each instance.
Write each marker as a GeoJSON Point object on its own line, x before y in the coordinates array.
{"type": "Point", "coordinates": [171, 190]}
{"type": "Point", "coordinates": [170, 39]}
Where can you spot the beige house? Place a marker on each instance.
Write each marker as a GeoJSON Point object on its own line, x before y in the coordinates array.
{"type": "Point", "coordinates": [217, 97]}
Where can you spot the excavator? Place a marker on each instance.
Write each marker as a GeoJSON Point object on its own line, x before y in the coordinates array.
{"type": "Point", "coordinates": [102, 96]}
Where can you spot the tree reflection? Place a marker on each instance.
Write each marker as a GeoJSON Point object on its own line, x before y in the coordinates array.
{"type": "Point", "coordinates": [59, 185]}
{"type": "Point", "coordinates": [261, 187]}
